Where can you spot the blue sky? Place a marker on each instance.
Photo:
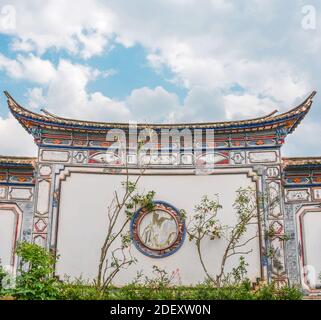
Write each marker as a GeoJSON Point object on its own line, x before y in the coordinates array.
{"type": "Point", "coordinates": [129, 70]}
{"type": "Point", "coordinates": [160, 61]}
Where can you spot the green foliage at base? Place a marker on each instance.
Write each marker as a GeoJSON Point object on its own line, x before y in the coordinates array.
{"type": "Point", "coordinates": [35, 281]}
{"type": "Point", "coordinates": [199, 292]}
{"type": "Point", "coordinates": [35, 275]}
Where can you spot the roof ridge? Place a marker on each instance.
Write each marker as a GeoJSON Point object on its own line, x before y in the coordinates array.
{"type": "Point", "coordinates": [298, 112]}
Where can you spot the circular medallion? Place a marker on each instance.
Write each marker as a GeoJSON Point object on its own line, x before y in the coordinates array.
{"type": "Point", "coordinates": [158, 232]}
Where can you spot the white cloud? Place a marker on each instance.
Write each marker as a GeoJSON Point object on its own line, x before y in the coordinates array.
{"type": "Point", "coordinates": [81, 28]}
{"type": "Point", "coordinates": [14, 140]}
{"type": "Point", "coordinates": [153, 105]}
{"type": "Point", "coordinates": [246, 106]}
{"type": "Point", "coordinates": [64, 88]}
{"type": "Point", "coordinates": [36, 98]}
{"type": "Point", "coordinates": [67, 95]}
{"type": "Point", "coordinates": [203, 104]}
{"type": "Point", "coordinates": [28, 67]}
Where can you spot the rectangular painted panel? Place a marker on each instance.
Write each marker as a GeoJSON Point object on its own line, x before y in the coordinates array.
{"type": "Point", "coordinates": [83, 220]}
{"type": "Point", "coordinates": [312, 242]}
{"type": "Point", "coordinates": [7, 236]}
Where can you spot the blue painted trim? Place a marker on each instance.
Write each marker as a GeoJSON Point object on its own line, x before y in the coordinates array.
{"type": "Point", "coordinates": [5, 164]}
{"type": "Point", "coordinates": [136, 215]}
{"type": "Point", "coordinates": [17, 184]}
{"type": "Point", "coordinates": [287, 186]}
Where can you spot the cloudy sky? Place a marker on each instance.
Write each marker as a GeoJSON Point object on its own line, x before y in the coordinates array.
{"type": "Point", "coordinates": [160, 61]}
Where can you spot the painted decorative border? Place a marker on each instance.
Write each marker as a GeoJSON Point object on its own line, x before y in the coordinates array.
{"type": "Point", "coordinates": [63, 173]}
{"type": "Point", "coordinates": [302, 247]}
{"type": "Point", "coordinates": [154, 253]}
{"type": "Point", "coordinates": [15, 210]}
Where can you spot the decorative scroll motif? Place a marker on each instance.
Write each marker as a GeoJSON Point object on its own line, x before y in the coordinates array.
{"type": "Point", "coordinates": [272, 172]}
{"type": "Point", "coordinates": [160, 232]}
{"type": "Point", "coordinates": [297, 195]}
{"type": "Point", "coordinates": [162, 159]}
{"type": "Point", "coordinates": [212, 158]}
{"type": "Point", "coordinates": [104, 157]}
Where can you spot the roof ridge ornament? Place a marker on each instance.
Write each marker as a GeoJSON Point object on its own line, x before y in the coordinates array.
{"type": "Point", "coordinates": [47, 113]}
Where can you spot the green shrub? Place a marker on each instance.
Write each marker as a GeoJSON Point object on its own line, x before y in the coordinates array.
{"type": "Point", "coordinates": [2, 275]}
{"type": "Point", "coordinates": [35, 278]}
{"type": "Point", "coordinates": [199, 292]}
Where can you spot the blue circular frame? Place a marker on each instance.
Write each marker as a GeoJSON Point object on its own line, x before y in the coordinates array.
{"type": "Point", "coordinates": [158, 253]}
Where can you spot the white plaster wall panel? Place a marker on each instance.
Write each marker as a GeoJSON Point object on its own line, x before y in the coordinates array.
{"type": "Point", "coordinates": [43, 197]}
{"type": "Point", "coordinates": [83, 219]}
{"type": "Point", "coordinates": [7, 231]}
{"type": "Point", "coordinates": [312, 244]}
{"type": "Point", "coordinates": [10, 224]}
{"type": "Point", "coordinates": [20, 193]}
{"type": "Point", "coordinates": [55, 156]}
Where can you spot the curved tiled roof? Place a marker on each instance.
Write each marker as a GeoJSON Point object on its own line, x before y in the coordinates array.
{"type": "Point", "coordinates": [288, 120]}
